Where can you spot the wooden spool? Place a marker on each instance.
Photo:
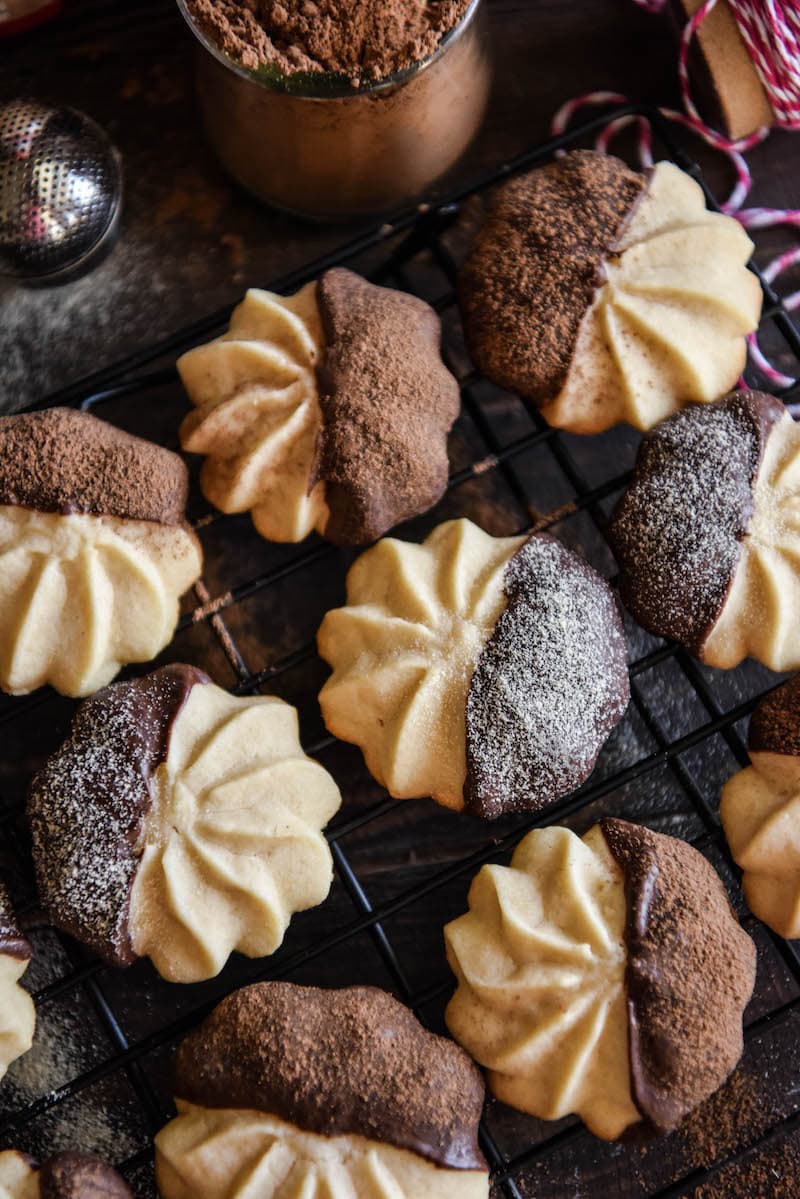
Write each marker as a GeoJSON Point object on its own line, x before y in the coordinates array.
{"type": "Point", "coordinates": [743, 102]}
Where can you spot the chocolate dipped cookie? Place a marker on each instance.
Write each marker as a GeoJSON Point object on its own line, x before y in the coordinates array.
{"type": "Point", "coordinates": [180, 823]}
{"type": "Point", "coordinates": [608, 296]}
{"type": "Point", "coordinates": [95, 550]}
{"type": "Point", "coordinates": [485, 672]}
{"type": "Point", "coordinates": [17, 1015]}
{"type": "Point", "coordinates": [604, 976]}
{"type": "Point", "coordinates": [324, 1094]}
{"type": "Point", "coordinates": [63, 1176]}
{"type": "Point", "coordinates": [707, 535]}
{"type": "Point", "coordinates": [325, 410]}
{"type": "Point", "coordinates": [760, 811]}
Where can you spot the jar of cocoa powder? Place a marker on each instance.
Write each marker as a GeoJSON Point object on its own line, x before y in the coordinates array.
{"type": "Point", "coordinates": [326, 146]}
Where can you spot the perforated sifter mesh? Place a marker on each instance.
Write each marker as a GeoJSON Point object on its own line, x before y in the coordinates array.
{"type": "Point", "coordinates": [60, 190]}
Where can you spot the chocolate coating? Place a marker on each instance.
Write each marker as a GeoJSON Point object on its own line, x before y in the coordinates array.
{"type": "Point", "coordinates": [677, 529]}
{"type": "Point", "coordinates": [775, 723]}
{"type": "Point", "coordinates": [690, 973]}
{"type": "Point", "coordinates": [12, 942]}
{"type": "Point", "coordinates": [81, 1176]}
{"type": "Point", "coordinates": [87, 803]}
{"type": "Point", "coordinates": [388, 402]}
{"type": "Point", "coordinates": [66, 461]}
{"type": "Point", "coordinates": [536, 265]}
{"type": "Point", "coordinates": [549, 685]}
{"type": "Point", "coordinates": [336, 1062]}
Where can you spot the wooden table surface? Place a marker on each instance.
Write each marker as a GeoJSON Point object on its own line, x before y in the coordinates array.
{"type": "Point", "coordinates": [190, 244]}
{"type": "Point", "coordinates": [191, 241]}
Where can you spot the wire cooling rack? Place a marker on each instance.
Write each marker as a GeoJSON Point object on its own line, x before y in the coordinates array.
{"type": "Point", "coordinates": [98, 1075]}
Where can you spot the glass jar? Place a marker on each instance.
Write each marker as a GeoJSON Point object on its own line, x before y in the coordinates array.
{"type": "Point", "coordinates": [317, 146]}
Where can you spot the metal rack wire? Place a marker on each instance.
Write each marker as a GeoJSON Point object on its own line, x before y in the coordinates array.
{"type": "Point", "coordinates": [413, 239]}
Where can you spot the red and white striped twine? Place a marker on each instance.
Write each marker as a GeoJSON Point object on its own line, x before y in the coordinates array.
{"type": "Point", "coordinates": [771, 32]}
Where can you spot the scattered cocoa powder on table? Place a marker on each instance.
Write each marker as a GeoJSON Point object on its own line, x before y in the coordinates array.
{"type": "Point", "coordinates": [730, 1120]}
{"type": "Point", "coordinates": [361, 39]}
{"type": "Point", "coordinates": [770, 1174]}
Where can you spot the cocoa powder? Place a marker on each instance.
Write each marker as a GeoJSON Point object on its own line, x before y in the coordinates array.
{"type": "Point", "coordinates": [66, 461]}
{"type": "Point", "coordinates": [769, 1174]}
{"type": "Point", "coordinates": [733, 1118]}
{"type": "Point", "coordinates": [360, 39]}
{"type": "Point", "coordinates": [388, 402]}
{"type": "Point", "coordinates": [536, 264]}
{"type": "Point", "coordinates": [347, 1062]}
{"type": "Point", "coordinates": [691, 970]}
{"type": "Point", "coordinates": [365, 149]}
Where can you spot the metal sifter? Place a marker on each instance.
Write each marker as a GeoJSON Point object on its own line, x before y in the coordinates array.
{"type": "Point", "coordinates": [60, 191]}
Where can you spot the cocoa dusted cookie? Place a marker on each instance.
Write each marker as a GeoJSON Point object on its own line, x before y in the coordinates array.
{"type": "Point", "coordinates": [604, 976]}
{"type": "Point", "coordinates": [63, 1176]}
{"type": "Point", "coordinates": [325, 410]}
{"type": "Point", "coordinates": [324, 1093]}
{"type": "Point", "coordinates": [707, 535]}
{"type": "Point", "coordinates": [17, 1016]}
{"type": "Point", "coordinates": [179, 822]}
{"type": "Point", "coordinates": [605, 295]}
{"type": "Point", "coordinates": [94, 550]}
{"type": "Point", "coordinates": [760, 811]}
{"type": "Point", "coordinates": [485, 672]}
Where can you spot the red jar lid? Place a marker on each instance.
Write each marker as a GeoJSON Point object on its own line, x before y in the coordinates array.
{"type": "Point", "coordinates": [34, 14]}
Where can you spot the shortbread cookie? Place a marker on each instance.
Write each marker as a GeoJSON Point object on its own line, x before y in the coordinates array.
{"type": "Point", "coordinates": [324, 1094]}
{"type": "Point", "coordinates": [606, 296]}
{"type": "Point", "coordinates": [17, 1016]}
{"type": "Point", "coordinates": [708, 533]}
{"type": "Point", "coordinates": [94, 550]}
{"type": "Point", "coordinates": [485, 672]}
{"type": "Point", "coordinates": [63, 1176]}
{"type": "Point", "coordinates": [603, 976]}
{"type": "Point", "coordinates": [180, 823]}
{"type": "Point", "coordinates": [760, 811]}
{"type": "Point", "coordinates": [325, 410]}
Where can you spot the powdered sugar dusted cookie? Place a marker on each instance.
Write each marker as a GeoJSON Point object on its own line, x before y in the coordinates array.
{"type": "Point", "coordinates": [324, 1094]}
{"type": "Point", "coordinates": [708, 533]}
{"type": "Point", "coordinates": [325, 410]}
{"type": "Point", "coordinates": [180, 823]}
{"type": "Point", "coordinates": [17, 1016]}
{"type": "Point", "coordinates": [606, 296]}
{"type": "Point", "coordinates": [63, 1176]}
{"type": "Point", "coordinates": [94, 550]}
{"type": "Point", "coordinates": [485, 672]}
{"type": "Point", "coordinates": [604, 976]}
{"type": "Point", "coordinates": [760, 811]}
